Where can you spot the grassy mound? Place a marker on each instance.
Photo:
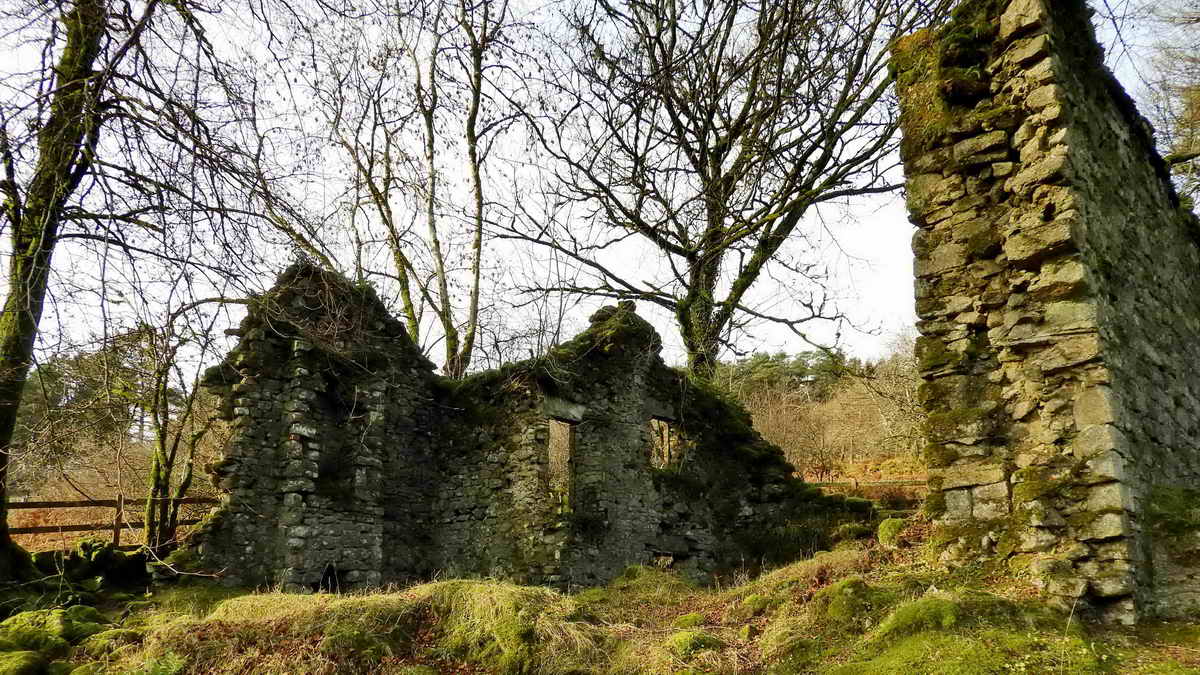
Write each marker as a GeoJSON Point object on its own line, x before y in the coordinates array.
{"type": "Point", "coordinates": [864, 608]}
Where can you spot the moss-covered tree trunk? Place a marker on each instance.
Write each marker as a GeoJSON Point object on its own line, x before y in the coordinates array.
{"type": "Point", "coordinates": [65, 142]}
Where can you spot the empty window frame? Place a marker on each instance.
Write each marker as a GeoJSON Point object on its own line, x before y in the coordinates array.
{"type": "Point", "coordinates": [561, 451]}
{"type": "Point", "coordinates": [664, 446]}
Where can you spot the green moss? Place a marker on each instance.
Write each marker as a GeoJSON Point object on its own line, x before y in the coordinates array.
{"type": "Point", "coordinates": [1033, 483]}
{"type": "Point", "coordinates": [344, 646]}
{"type": "Point", "coordinates": [109, 641]}
{"type": "Point", "coordinates": [925, 114]}
{"type": "Point", "coordinates": [940, 455]}
{"type": "Point", "coordinates": [83, 613]}
{"type": "Point", "coordinates": [685, 643]}
{"type": "Point", "coordinates": [932, 354]}
{"type": "Point", "coordinates": [756, 604]}
{"type": "Point", "coordinates": [690, 620]}
{"type": "Point", "coordinates": [935, 504]}
{"type": "Point", "coordinates": [858, 505]}
{"type": "Point", "coordinates": [932, 612]}
{"type": "Point", "coordinates": [46, 630]}
{"type": "Point", "coordinates": [889, 532]}
{"type": "Point", "coordinates": [1174, 512]}
{"type": "Point", "coordinates": [990, 651]}
{"type": "Point", "coordinates": [850, 531]}
{"type": "Point", "coordinates": [950, 424]}
{"type": "Point", "coordinates": [942, 80]}
{"type": "Point", "coordinates": [846, 603]}
{"type": "Point", "coordinates": [22, 663]}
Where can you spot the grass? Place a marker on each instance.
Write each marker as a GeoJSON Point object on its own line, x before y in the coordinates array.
{"type": "Point", "coordinates": [860, 609]}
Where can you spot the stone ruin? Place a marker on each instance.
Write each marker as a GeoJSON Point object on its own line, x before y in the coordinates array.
{"type": "Point", "coordinates": [1058, 289]}
{"type": "Point", "coordinates": [352, 464]}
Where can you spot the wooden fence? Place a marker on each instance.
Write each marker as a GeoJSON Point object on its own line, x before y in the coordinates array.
{"type": "Point", "coordinates": [118, 522]}
{"type": "Point", "coordinates": [879, 483]}
{"type": "Point", "coordinates": [116, 525]}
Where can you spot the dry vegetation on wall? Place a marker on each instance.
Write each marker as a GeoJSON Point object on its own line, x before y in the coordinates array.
{"type": "Point", "coordinates": [836, 418]}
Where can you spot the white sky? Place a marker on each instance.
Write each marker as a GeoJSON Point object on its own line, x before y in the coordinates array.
{"type": "Point", "coordinates": [874, 282]}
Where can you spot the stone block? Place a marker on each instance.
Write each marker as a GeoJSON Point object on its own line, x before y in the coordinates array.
{"type": "Point", "coordinates": [1067, 586]}
{"type": "Point", "coordinates": [1093, 406]}
{"type": "Point", "coordinates": [1025, 51]}
{"type": "Point", "coordinates": [1108, 497]}
{"type": "Point", "coordinates": [1044, 96]}
{"type": "Point", "coordinates": [1054, 166]}
{"type": "Point", "coordinates": [967, 149]}
{"type": "Point", "coordinates": [1113, 585]}
{"type": "Point", "coordinates": [1096, 440]}
{"type": "Point", "coordinates": [1103, 526]}
{"type": "Point", "coordinates": [1058, 280]}
{"type": "Point", "coordinates": [943, 258]}
{"type": "Point", "coordinates": [1035, 539]}
{"type": "Point", "coordinates": [1021, 16]}
{"type": "Point", "coordinates": [971, 475]}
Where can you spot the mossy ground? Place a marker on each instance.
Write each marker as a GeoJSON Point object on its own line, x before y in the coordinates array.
{"type": "Point", "coordinates": [860, 609]}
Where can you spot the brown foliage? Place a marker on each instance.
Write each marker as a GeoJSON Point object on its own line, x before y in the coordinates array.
{"type": "Point", "coordinates": [869, 427]}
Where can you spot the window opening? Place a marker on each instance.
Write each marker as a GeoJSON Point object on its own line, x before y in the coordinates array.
{"type": "Point", "coordinates": [664, 448]}
{"type": "Point", "coordinates": [561, 453]}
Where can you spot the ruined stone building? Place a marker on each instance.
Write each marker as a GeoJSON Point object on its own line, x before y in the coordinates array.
{"type": "Point", "coordinates": [1058, 289]}
{"type": "Point", "coordinates": [353, 464]}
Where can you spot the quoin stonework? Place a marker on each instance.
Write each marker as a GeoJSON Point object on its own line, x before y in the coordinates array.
{"type": "Point", "coordinates": [351, 464]}
{"type": "Point", "coordinates": [1058, 289]}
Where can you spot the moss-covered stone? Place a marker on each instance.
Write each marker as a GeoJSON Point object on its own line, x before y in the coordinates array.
{"type": "Point", "coordinates": [83, 613]}
{"type": "Point", "coordinates": [109, 641]}
{"type": "Point", "coordinates": [932, 612]}
{"type": "Point", "coordinates": [940, 455]}
{"type": "Point", "coordinates": [889, 532]}
{"type": "Point", "coordinates": [40, 630]}
{"type": "Point", "coordinates": [22, 663]}
{"type": "Point", "coordinates": [844, 603]}
{"type": "Point", "coordinates": [359, 645]}
{"type": "Point", "coordinates": [756, 603]}
{"type": "Point", "coordinates": [685, 643]}
{"type": "Point", "coordinates": [942, 78]}
{"type": "Point", "coordinates": [852, 531]}
{"type": "Point", "coordinates": [935, 504]}
{"type": "Point", "coordinates": [51, 630]}
{"type": "Point", "coordinates": [690, 620]}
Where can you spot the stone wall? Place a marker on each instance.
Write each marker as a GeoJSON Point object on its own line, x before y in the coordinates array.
{"type": "Point", "coordinates": [352, 464]}
{"type": "Point", "coordinates": [1059, 304]}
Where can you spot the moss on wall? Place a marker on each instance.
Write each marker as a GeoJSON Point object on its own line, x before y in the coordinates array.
{"type": "Point", "coordinates": [941, 76]}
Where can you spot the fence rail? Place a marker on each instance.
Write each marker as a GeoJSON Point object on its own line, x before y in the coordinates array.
{"type": "Point", "coordinates": [878, 483]}
{"type": "Point", "coordinates": [117, 524]}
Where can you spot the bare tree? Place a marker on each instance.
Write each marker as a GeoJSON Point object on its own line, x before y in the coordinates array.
{"type": "Point", "coordinates": [120, 132]}
{"type": "Point", "coordinates": [709, 130]}
{"type": "Point", "coordinates": [1173, 84]}
{"type": "Point", "coordinates": [407, 95]}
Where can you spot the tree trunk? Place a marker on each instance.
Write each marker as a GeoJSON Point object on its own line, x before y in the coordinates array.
{"type": "Point", "coordinates": [458, 361]}
{"type": "Point", "coordinates": [698, 313]}
{"type": "Point", "coordinates": [62, 160]}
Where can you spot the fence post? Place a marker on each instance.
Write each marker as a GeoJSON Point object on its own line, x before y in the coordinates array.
{"type": "Point", "coordinates": [117, 521]}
